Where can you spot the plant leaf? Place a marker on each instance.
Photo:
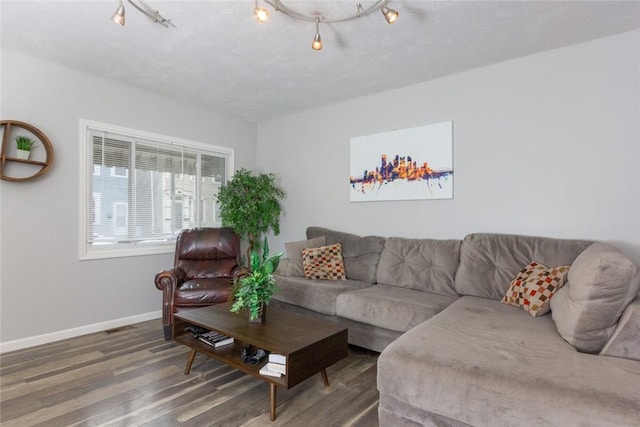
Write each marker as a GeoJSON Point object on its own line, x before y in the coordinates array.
{"type": "Point", "coordinates": [265, 249]}
{"type": "Point", "coordinates": [255, 261]}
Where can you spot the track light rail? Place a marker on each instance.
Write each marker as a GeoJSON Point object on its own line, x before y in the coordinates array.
{"type": "Point", "coordinates": [154, 16]}
{"type": "Point", "coordinates": [279, 6]}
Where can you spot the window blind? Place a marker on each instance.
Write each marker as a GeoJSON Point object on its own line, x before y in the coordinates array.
{"type": "Point", "coordinates": [144, 192]}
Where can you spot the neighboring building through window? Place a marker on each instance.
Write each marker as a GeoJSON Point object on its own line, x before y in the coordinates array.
{"type": "Point", "coordinates": [119, 171]}
{"type": "Point", "coordinates": [96, 213]}
{"type": "Point", "coordinates": [139, 190]}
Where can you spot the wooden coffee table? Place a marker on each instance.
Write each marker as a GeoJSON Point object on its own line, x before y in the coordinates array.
{"type": "Point", "coordinates": [310, 345]}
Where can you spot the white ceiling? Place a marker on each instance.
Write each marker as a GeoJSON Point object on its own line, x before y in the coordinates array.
{"type": "Point", "coordinates": [219, 56]}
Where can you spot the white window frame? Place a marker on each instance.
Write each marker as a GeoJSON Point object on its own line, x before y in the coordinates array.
{"type": "Point", "coordinates": [88, 251]}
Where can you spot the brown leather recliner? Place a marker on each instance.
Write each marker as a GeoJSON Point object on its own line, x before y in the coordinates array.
{"type": "Point", "coordinates": [206, 261]}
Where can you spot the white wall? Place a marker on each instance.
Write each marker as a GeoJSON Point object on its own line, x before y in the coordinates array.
{"type": "Point", "coordinates": [546, 145]}
{"type": "Point", "coordinates": [44, 288]}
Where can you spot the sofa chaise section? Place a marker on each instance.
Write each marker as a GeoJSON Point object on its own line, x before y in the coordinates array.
{"type": "Point", "coordinates": [483, 363]}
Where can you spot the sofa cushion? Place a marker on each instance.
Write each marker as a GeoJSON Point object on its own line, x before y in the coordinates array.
{"type": "Point", "coordinates": [602, 281]}
{"type": "Point", "coordinates": [391, 307]}
{"type": "Point", "coordinates": [361, 254]}
{"type": "Point", "coordinates": [488, 262]}
{"type": "Point", "coordinates": [421, 264]}
{"type": "Point", "coordinates": [323, 263]}
{"type": "Point", "coordinates": [533, 287]}
{"type": "Point", "coordinates": [294, 254]}
{"type": "Point", "coordinates": [625, 340]}
{"type": "Point", "coordinates": [483, 363]}
{"type": "Point", "coordinates": [315, 295]}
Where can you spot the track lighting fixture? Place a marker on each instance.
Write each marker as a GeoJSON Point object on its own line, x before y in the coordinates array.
{"type": "Point", "coordinates": [389, 14]}
{"type": "Point", "coordinates": [317, 40]}
{"type": "Point", "coordinates": [262, 14]}
{"type": "Point", "coordinates": [154, 15]}
{"type": "Point", "coordinates": [118, 15]}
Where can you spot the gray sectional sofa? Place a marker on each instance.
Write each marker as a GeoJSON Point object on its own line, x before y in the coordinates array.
{"type": "Point", "coordinates": [452, 354]}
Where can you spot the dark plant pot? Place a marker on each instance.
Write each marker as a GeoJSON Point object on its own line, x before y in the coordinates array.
{"type": "Point", "coordinates": [262, 315]}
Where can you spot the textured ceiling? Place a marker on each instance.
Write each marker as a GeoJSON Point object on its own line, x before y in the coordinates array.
{"type": "Point", "coordinates": [218, 55]}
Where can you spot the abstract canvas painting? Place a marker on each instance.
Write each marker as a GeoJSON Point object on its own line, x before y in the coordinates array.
{"type": "Point", "coordinates": [405, 164]}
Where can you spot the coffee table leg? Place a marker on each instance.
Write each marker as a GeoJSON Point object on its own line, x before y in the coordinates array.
{"type": "Point", "coordinates": [190, 360]}
{"type": "Point", "coordinates": [325, 378]}
{"type": "Point", "coordinates": [272, 401]}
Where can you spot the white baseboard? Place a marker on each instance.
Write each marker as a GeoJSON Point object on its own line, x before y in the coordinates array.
{"type": "Point", "coordinates": [21, 343]}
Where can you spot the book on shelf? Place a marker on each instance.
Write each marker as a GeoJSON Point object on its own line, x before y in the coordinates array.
{"type": "Point", "coordinates": [215, 339]}
{"type": "Point", "coordinates": [270, 369]}
{"type": "Point", "coordinates": [278, 358]}
{"type": "Point", "coordinates": [276, 367]}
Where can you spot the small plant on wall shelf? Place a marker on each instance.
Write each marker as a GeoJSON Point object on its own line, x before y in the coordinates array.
{"type": "Point", "coordinates": [25, 143]}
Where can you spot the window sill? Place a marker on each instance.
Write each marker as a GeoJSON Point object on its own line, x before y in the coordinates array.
{"type": "Point", "coordinates": [122, 251]}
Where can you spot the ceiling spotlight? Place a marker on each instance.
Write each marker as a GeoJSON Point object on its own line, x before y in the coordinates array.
{"type": "Point", "coordinates": [389, 14]}
{"type": "Point", "coordinates": [260, 13]}
{"type": "Point", "coordinates": [317, 40]}
{"type": "Point", "coordinates": [118, 15]}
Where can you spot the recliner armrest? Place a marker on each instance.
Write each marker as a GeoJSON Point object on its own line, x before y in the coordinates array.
{"type": "Point", "coordinates": [170, 278]}
{"type": "Point", "coordinates": [238, 272]}
{"type": "Point", "coordinates": [167, 281]}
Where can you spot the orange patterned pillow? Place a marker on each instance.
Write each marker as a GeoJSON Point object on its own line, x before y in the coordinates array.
{"type": "Point", "coordinates": [534, 286]}
{"type": "Point", "coordinates": [324, 263]}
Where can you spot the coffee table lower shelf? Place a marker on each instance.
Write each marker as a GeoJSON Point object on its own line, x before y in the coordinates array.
{"type": "Point", "coordinates": [311, 347]}
{"type": "Point", "coordinates": [230, 355]}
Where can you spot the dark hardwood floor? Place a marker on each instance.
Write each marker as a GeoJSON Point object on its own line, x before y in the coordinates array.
{"type": "Point", "coordinates": [133, 377]}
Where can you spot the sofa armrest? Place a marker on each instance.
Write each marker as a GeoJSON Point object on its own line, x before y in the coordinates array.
{"type": "Point", "coordinates": [170, 279]}
{"type": "Point", "coordinates": [282, 267]}
{"type": "Point", "coordinates": [625, 341]}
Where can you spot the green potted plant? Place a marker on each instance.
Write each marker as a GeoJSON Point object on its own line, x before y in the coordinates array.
{"type": "Point", "coordinates": [24, 145]}
{"type": "Point", "coordinates": [250, 204]}
{"type": "Point", "coordinates": [253, 290]}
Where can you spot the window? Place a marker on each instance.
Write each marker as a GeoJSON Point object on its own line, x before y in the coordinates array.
{"type": "Point", "coordinates": [121, 219]}
{"type": "Point", "coordinates": [96, 213]}
{"type": "Point", "coordinates": [139, 190]}
{"type": "Point", "coordinates": [120, 171]}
